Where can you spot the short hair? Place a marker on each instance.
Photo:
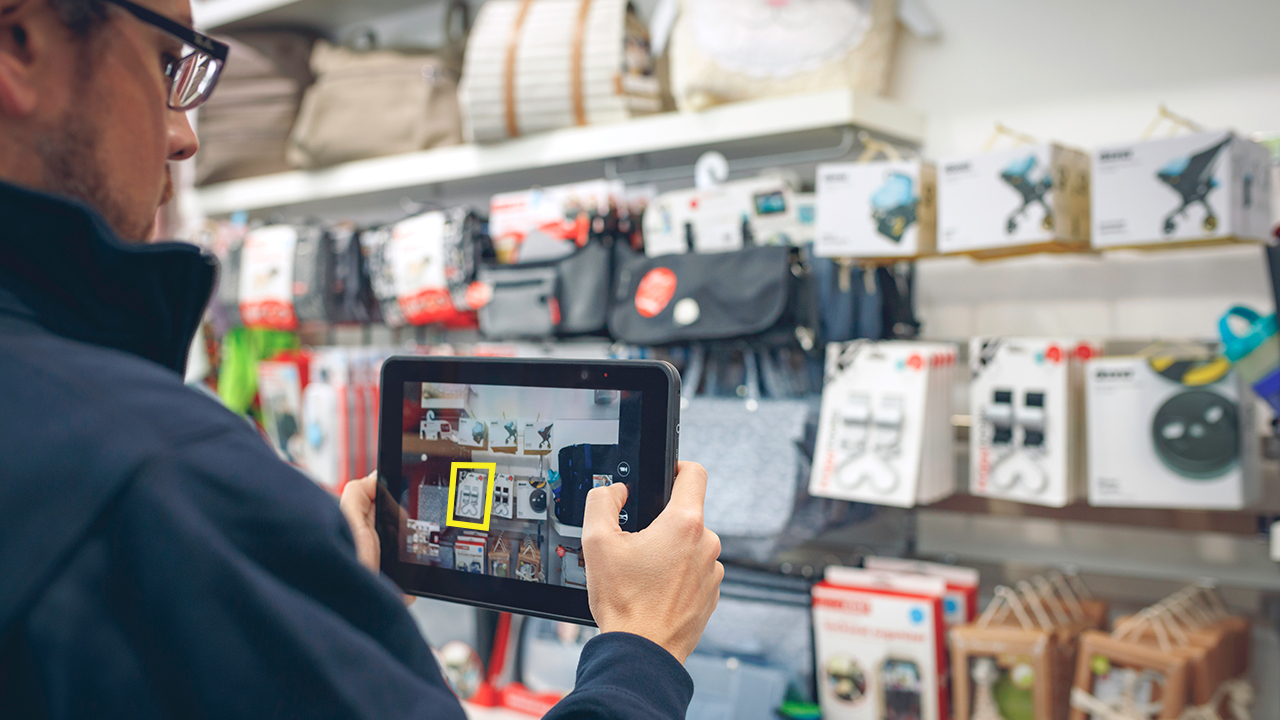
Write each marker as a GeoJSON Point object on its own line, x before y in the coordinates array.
{"type": "Point", "coordinates": [81, 16]}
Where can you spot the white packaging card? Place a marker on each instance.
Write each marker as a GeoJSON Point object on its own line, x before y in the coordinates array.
{"type": "Point", "coordinates": [266, 278]}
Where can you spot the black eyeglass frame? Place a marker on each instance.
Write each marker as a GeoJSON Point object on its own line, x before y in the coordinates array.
{"type": "Point", "coordinates": [201, 42]}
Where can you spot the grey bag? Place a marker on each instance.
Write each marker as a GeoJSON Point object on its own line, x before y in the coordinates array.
{"type": "Point", "coordinates": [433, 504]}
{"type": "Point", "coordinates": [752, 452]}
{"type": "Point", "coordinates": [522, 304]}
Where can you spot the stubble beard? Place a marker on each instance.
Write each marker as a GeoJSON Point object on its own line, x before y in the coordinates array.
{"type": "Point", "coordinates": [70, 167]}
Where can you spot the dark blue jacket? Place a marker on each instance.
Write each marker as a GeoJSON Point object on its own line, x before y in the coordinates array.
{"type": "Point", "coordinates": [156, 558]}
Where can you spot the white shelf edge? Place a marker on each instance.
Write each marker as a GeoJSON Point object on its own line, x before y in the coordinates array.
{"type": "Point", "coordinates": [668, 131]}
{"type": "Point", "coordinates": [213, 14]}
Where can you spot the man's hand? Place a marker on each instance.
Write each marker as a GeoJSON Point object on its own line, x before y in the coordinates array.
{"type": "Point", "coordinates": [358, 505]}
{"type": "Point", "coordinates": [661, 583]}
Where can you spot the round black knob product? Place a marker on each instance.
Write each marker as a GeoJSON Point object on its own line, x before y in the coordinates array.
{"type": "Point", "coordinates": [1197, 434]}
{"type": "Point", "coordinates": [538, 501]}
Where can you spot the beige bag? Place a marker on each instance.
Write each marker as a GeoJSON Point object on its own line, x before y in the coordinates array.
{"type": "Point", "coordinates": [370, 103]}
{"type": "Point", "coordinates": [732, 50]}
{"type": "Point", "coordinates": [244, 128]}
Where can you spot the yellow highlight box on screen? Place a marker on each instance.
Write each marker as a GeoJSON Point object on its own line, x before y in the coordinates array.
{"type": "Point", "coordinates": [491, 470]}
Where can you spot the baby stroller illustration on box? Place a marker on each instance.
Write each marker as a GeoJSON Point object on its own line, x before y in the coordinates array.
{"type": "Point", "coordinates": [1021, 175]}
{"type": "Point", "coordinates": [1192, 178]}
{"type": "Point", "coordinates": [893, 206]}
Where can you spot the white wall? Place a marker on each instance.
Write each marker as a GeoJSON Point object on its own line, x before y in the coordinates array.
{"type": "Point", "coordinates": [1088, 72]}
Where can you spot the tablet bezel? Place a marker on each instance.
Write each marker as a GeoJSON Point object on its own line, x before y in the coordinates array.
{"type": "Point", "coordinates": [659, 409]}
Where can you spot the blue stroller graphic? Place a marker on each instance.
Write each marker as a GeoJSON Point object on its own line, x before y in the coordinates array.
{"type": "Point", "coordinates": [893, 206]}
{"type": "Point", "coordinates": [1192, 178]}
{"type": "Point", "coordinates": [1019, 175]}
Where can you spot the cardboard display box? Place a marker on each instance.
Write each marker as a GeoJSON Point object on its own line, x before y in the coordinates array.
{"type": "Point", "coordinates": [876, 210]}
{"type": "Point", "coordinates": [1025, 199]}
{"type": "Point", "coordinates": [1202, 188]}
{"type": "Point", "coordinates": [1170, 431]}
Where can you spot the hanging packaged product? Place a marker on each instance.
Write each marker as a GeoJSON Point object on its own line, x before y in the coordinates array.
{"type": "Point", "coordinates": [879, 644]}
{"type": "Point", "coordinates": [1254, 354]}
{"type": "Point", "coordinates": [732, 50]}
{"type": "Point", "coordinates": [1172, 430]}
{"type": "Point", "coordinates": [757, 211]}
{"type": "Point", "coordinates": [416, 256]}
{"type": "Point", "coordinates": [1025, 199]}
{"type": "Point", "coordinates": [1027, 437]}
{"type": "Point", "coordinates": [281, 382]}
{"type": "Point", "coordinates": [538, 65]}
{"type": "Point", "coordinates": [1201, 188]}
{"type": "Point", "coordinates": [884, 434]}
{"type": "Point", "coordinates": [266, 278]}
{"type": "Point", "coordinates": [548, 223]}
{"type": "Point", "coordinates": [961, 602]}
{"type": "Point", "coordinates": [1017, 661]}
{"type": "Point", "coordinates": [876, 209]}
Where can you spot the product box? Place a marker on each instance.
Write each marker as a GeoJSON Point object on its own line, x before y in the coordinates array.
{"type": "Point", "coordinates": [528, 223]}
{"type": "Point", "coordinates": [469, 553]}
{"type": "Point", "coordinates": [1027, 439]}
{"type": "Point", "coordinates": [504, 435]}
{"type": "Point", "coordinates": [532, 498]}
{"type": "Point", "coordinates": [884, 431]}
{"type": "Point", "coordinates": [1025, 199]}
{"type": "Point", "coordinates": [1206, 187]}
{"type": "Point", "coordinates": [719, 219]}
{"type": "Point", "coordinates": [879, 646]}
{"type": "Point", "coordinates": [960, 605]}
{"type": "Point", "coordinates": [876, 209]}
{"type": "Point", "coordinates": [1170, 431]}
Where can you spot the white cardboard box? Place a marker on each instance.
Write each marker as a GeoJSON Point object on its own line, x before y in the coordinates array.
{"type": "Point", "coordinates": [1025, 197]}
{"type": "Point", "coordinates": [884, 430]}
{"type": "Point", "coordinates": [1206, 186]}
{"type": "Point", "coordinates": [1026, 399]}
{"type": "Point", "coordinates": [1180, 439]}
{"type": "Point", "coordinates": [960, 605]}
{"type": "Point", "coordinates": [876, 209]}
{"type": "Point", "coordinates": [469, 553]}
{"type": "Point", "coordinates": [879, 644]}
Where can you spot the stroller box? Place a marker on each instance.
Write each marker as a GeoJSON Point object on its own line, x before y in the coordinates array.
{"type": "Point", "coordinates": [1025, 199]}
{"type": "Point", "coordinates": [876, 209]}
{"type": "Point", "coordinates": [1026, 442]}
{"type": "Point", "coordinates": [1195, 188]}
{"type": "Point", "coordinates": [1170, 431]}
{"type": "Point", "coordinates": [879, 645]}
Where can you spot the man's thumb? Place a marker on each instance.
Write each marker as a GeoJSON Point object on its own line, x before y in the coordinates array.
{"type": "Point", "coordinates": [603, 506]}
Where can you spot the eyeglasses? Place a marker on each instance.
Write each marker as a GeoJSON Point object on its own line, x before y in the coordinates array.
{"type": "Point", "coordinates": [193, 76]}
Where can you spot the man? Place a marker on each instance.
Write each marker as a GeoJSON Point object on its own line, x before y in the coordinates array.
{"type": "Point", "coordinates": [156, 559]}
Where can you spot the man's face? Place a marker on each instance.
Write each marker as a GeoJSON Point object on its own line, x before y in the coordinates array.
{"type": "Point", "coordinates": [107, 141]}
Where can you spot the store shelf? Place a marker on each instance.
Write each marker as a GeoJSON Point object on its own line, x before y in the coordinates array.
{"type": "Point", "coordinates": [720, 128]}
{"type": "Point", "coordinates": [323, 15]}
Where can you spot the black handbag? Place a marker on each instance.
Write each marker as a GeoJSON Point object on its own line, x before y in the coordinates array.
{"type": "Point", "coordinates": [579, 466]}
{"type": "Point", "coordinates": [763, 293]}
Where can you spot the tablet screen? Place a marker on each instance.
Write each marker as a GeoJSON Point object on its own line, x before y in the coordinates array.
{"type": "Point", "coordinates": [493, 478]}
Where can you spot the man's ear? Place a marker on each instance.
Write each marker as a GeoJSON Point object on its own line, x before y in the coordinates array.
{"type": "Point", "coordinates": [20, 45]}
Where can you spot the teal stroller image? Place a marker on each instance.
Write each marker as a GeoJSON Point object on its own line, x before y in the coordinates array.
{"type": "Point", "coordinates": [1192, 178]}
{"type": "Point", "coordinates": [893, 206]}
{"type": "Point", "coordinates": [1021, 175]}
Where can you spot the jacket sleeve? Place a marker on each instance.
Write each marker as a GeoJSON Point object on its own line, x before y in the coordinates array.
{"type": "Point", "coordinates": [239, 579]}
{"type": "Point", "coordinates": [626, 677]}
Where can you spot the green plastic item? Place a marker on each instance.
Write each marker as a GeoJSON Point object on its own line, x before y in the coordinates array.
{"type": "Point", "coordinates": [800, 711]}
{"type": "Point", "coordinates": [242, 350]}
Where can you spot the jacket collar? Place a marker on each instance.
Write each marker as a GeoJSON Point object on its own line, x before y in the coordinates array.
{"type": "Point", "coordinates": [64, 269]}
